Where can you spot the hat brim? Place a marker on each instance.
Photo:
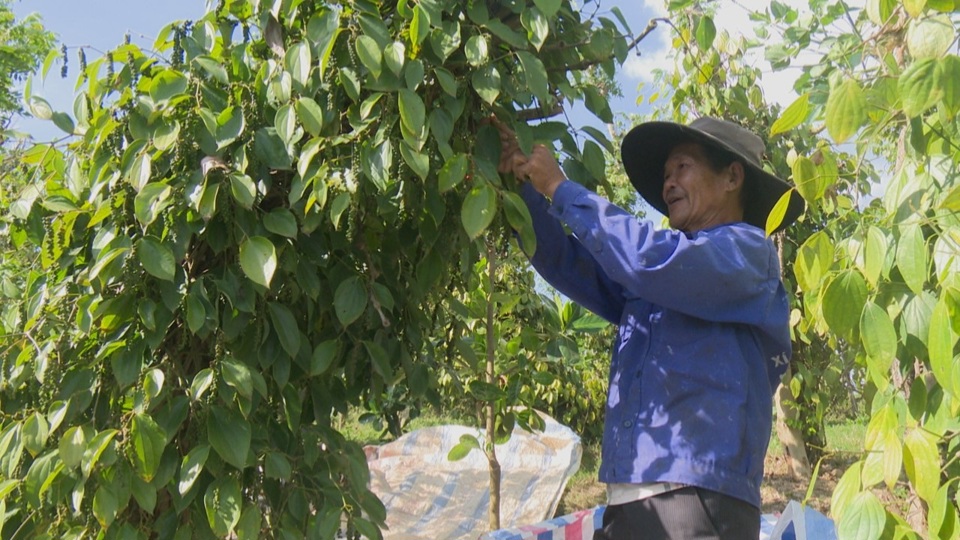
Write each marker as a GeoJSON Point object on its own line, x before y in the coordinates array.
{"type": "Point", "coordinates": [644, 152]}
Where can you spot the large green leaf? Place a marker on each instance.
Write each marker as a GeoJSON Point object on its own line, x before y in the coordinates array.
{"type": "Point", "coordinates": [536, 76]}
{"type": "Point", "coordinates": [794, 115]}
{"type": "Point", "coordinates": [814, 260]}
{"type": "Point", "coordinates": [518, 215]}
{"type": "Point", "coordinates": [922, 463]}
{"type": "Point", "coordinates": [947, 76]}
{"type": "Point", "coordinates": [538, 28]}
{"type": "Point", "coordinates": [412, 111]}
{"type": "Point", "coordinates": [191, 466]}
{"type": "Point", "coordinates": [167, 85]}
{"type": "Point", "coordinates": [281, 221]}
{"type": "Point", "coordinates": [323, 29]}
{"type": "Point", "coordinates": [157, 259]}
{"type": "Point", "coordinates": [706, 32]}
{"type": "Point", "coordinates": [879, 338]}
{"type": "Point", "coordinates": [148, 441]}
{"type": "Point", "coordinates": [479, 208]}
{"type": "Point", "coordinates": [223, 502]}
{"type": "Point", "coordinates": [310, 115]}
{"type": "Point", "coordinates": [379, 360]}
{"type": "Point", "coordinates": [35, 432]}
{"type": "Point", "coordinates": [95, 448]}
{"type": "Point", "coordinates": [153, 199]}
{"type": "Point", "coordinates": [863, 519]}
{"type": "Point", "coordinates": [106, 505]}
{"type": "Point", "coordinates": [919, 87]}
{"type": "Point", "coordinates": [807, 179]}
{"type": "Point", "coordinates": [323, 356]}
{"type": "Point", "coordinates": [930, 37]}
{"type": "Point", "coordinates": [846, 110]}
{"type": "Point", "coordinates": [453, 172]}
{"type": "Point", "coordinates": [912, 257]}
{"type": "Point", "coordinates": [486, 83]}
{"type": "Point", "coordinates": [298, 61]}
{"type": "Point", "coordinates": [258, 259]}
{"type": "Point", "coordinates": [229, 434]}
{"type": "Point", "coordinates": [843, 302]}
{"type": "Point", "coordinates": [237, 374]}
{"type": "Point", "coordinates": [370, 54]}
{"type": "Point", "coordinates": [875, 255]}
{"type": "Point", "coordinates": [350, 300]}
{"type": "Point", "coordinates": [286, 327]}
{"type": "Point", "coordinates": [71, 446]}
{"type": "Point", "coordinates": [940, 343]}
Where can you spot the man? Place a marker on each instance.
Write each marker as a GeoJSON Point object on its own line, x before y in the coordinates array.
{"type": "Point", "coordinates": [702, 317]}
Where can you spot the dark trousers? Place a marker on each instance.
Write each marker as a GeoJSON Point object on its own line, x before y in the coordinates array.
{"type": "Point", "coordinates": [689, 513]}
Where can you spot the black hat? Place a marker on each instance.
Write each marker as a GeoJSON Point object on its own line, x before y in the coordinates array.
{"type": "Point", "coordinates": [646, 147]}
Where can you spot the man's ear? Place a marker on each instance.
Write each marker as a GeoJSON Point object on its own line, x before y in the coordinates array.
{"type": "Point", "coordinates": [735, 180]}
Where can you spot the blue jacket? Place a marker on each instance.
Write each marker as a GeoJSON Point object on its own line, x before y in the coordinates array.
{"type": "Point", "coordinates": [703, 338]}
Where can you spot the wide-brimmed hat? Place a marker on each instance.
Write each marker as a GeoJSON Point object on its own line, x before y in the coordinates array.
{"type": "Point", "coordinates": [646, 147]}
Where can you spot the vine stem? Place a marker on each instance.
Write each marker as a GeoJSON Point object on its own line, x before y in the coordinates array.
{"type": "Point", "coordinates": [491, 413]}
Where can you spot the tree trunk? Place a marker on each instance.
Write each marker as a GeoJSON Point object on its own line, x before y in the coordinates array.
{"type": "Point", "coordinates": [790, 437]}
{"type": "Point", "coordinates": [490, 448]}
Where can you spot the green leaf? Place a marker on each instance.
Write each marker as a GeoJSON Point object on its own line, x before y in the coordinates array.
{"type": "Point", "coordinates": [379, 360]}
{"type": "Point", "coordinates": [95, 449]}
{"type": "Point", "coordinates": [237, 374]}
{"type": "Point", "coordinates": [64, 122]}
{"type": "Point", "coordinates": [350, 300]}
{"type": "Point", "coordinates": [843, 302]}
{"type": "Point", "coordinates": [285, 123]}
{"type": "Point", "coordinates": [222, 503]}
{"type": "Point", "coordinates": [918, 87]}
{"type": "Point", "coordinates": [323, 29]}
{"type": "Point", "coordinates": [323, 356]}
{"type": "Point", "coordinates": [447, 81]}
{"type": "Point", "coordinates": [794, 115]}
{"type": "Point", "coordinates": [419, 26]}
{"type": "Point", "coordinates": [201, 382]}
{"type": "Point", "coordinates": [912, 257]}
{"type": "Point", "coordinates": [310, 115]}
{"type": "Point", "coordinates": [248, 528]}
{"type": "Point", "coordinates": [463, 448]}
{"type": "Point", "coordinates": [778, 212]}
{"type": "Point", "coordinates": [537, 26]}
{"type": "Point", "coordinates": [914, 7]}
{"type": "Point", "coordinates": [845, 110]}
{"type": "Point", "coordinates": [486, 83]}
{"type": "Point", "coordinates": [191, 466]}
{"type": "Point", "coordinates": [213, 68]}
{"type": "Point", "coordinates": [879, 11]}
{"type": "Point", "coordinates": [148, 441]}
{"type": "Point", "coordinates": [370, 54]}
{"type": "Point", "coordinates": [419, 162]}
{"type": "Point", "coordinates": [229, 434]}
{"type": "Point", "coordinates": [167, 85]}
{"type": "Point", "coordinates": [597, 104]}
{"type": "Point", "coordinates": [879, 337]}
{"type": "Point", "coordinates": [35, 432]}
{"type": "Point", "coordinates": [863, 518]}
{"type": "Point", "coordinates": [518, 215]}
{"type": "Point", "coordinates": [929, 37]}
{"type": "Point", "coordinates": [484, 391]}
{"type": "Point", "coordinates": [536, 76]}
{"type": "Point", "coordinates": [298, 61]}
{"type": "Point", "coordinates": [412, 111]}
{"type": "Point", "coordinates": [281, 221]}
{"type": "Point", "coordinates": [106, 506]}
{"type": "Point", "coordinates": [813, 261]}
{"type": "Point", "coordinates": [706, 32]}
{"type": "Point", "coordinates": [230, 124]}
{"type": "Point", "coordinates": [875, 254]}
{"type": "Point", "coordinates": [243, 189]}
{"type": "Point", "coordinates": [156, 258]}
{"type": "Point", "coordinates": [476, 51]}
{"type": "Point", "coordinates": [453, 172]}
{"type": "Point", "coordinates": [548, 7]}
{"type": "Point", "coordinates": [258, 259]}
{"type": "Point", "coordinates": [276, 465]}
{"type": "Point", "coordinates": [139, 174]}
{"type": "Point", "coordinates": [71, 447]}
{"type": "Point", "coordinates": [40, 108]}
{"type": "Point", "coordinates": [479, 209]}
{"type": "Point", "coordinates": [940, 343]}
{"type": "Point", "coordinates": [922, 463]}
{"type": "Point", "coordinates": [166, 135]}
{"type": "Point", "coordinates": [152, 200]}
{"type": "Point", "coordinates": [393, 56]}
{"type": "Point", "coordinates": [286, 327]}
{"type": "Point", "coordinates": [947, 74]}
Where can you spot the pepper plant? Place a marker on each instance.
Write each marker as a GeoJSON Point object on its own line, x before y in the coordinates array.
{"type": "Point", "coordinates": [247, 234]}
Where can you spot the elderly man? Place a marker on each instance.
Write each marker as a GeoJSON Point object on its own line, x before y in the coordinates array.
{"type": "Point", "coordinates": [702, 320]}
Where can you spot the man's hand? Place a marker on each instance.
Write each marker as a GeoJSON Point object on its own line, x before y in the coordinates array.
{"type": "Point", "coordinates": [540, 168]}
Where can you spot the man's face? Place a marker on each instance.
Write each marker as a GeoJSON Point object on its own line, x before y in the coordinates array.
{"type": "Point", "coordinates": [697, 197]}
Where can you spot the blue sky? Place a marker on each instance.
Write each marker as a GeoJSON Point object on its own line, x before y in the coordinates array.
{"type": "Point", "coordinates": [101, 25]}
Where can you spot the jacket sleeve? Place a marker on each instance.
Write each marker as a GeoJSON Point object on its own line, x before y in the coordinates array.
{"type": "Point", "coordinates": [728, 273]}
{"type": "Point", "coordinates": [564, 263]}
